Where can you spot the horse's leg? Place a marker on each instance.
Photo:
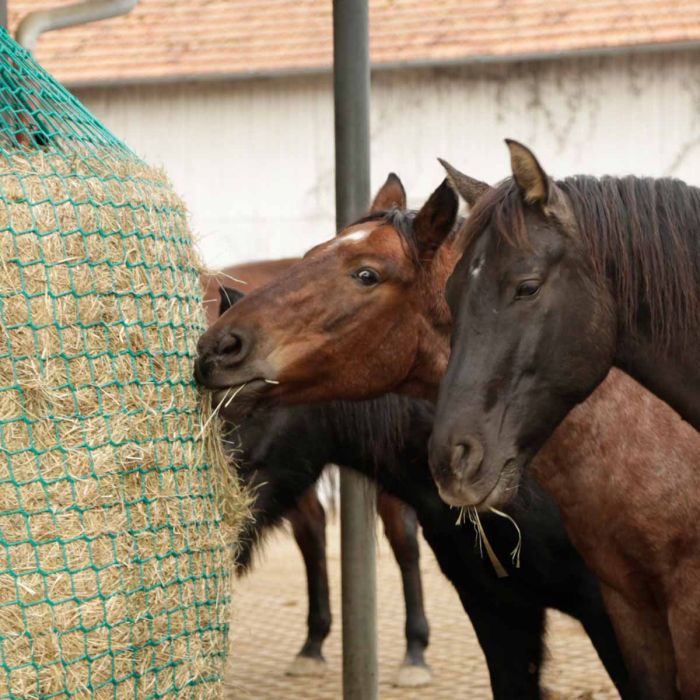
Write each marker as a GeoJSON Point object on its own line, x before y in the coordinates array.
{"type": "Point", "coordinates": [684, 622]}
{"type": "Point", "coordinates": [587, 607]}
{"type": "Point", "coordinates": [308, 520]}
{"type": "Point", "coordinates": [401, 528]}
{"type": "Point", "coordinates": [511, 638]}
{"type": "Point", "coordinates": [645, 641]}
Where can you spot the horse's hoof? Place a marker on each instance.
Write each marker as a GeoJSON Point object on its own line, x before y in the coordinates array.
{"type": "Point", "coordinates": [548, 694]}
{"type": "Point", "coordinates": [410, 676]}
{"type": "Point", "coordinates": [306, 666]}
{"type": "Point", "coordinates": [584, 695]}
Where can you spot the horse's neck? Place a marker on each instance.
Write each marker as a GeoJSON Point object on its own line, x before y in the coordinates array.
{"type": "Point", "coordinates": [428, 368]}
{"type": "Point", "coordinates": [676, 379]}
{"type": "Point", "coordinates": [434, 346]}
{"type": "Point", "coordinates": [576, 463]}
{"type": "Point", "coordinates": [401, 467]}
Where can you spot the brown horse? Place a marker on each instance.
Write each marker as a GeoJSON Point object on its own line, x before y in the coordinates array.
{"type": "Point", "coordinates": [321, 330]}
{"type": "Point", "coordinates": [307, 518]}
{"type": "Point", "coordinates": [362, 315]}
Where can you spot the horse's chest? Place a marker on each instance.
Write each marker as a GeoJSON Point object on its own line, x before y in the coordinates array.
{"type": "Point", "coordinates": [597, 518]}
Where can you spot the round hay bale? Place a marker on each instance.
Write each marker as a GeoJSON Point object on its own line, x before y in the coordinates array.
{"type": "Point", "coordinates": [114, 543]}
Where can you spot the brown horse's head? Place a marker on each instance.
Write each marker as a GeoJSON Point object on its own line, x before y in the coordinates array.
{"type": "Point", "coordinates": [534, 333]}
{"type": "Point", "coordinates": [360, 315]}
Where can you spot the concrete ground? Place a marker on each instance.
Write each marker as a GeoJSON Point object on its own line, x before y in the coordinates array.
{"type": "Point", "coordinates": [268, 627]}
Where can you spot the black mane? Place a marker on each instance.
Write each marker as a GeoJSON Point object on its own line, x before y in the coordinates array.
{"type": "Point", "coordinates": [379, 427]}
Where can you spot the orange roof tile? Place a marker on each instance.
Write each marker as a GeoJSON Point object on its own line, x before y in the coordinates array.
{"type": "Point", "coordinates": [180, 39]}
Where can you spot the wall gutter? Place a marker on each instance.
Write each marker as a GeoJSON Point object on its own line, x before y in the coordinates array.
{"type": "Point", "coordinates": [37, 23]}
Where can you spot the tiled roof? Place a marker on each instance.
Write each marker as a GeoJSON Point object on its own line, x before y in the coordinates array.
{"type": "Point", "coordinates": [177, 39]}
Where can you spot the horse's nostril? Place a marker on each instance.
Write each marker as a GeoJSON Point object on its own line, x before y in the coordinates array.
{"type": "Point", "coordinates": [232, 346]}
{"type": "Point", "coordinates": [458, 454]}
{"type": "Point", "coordinates": [467, 458]}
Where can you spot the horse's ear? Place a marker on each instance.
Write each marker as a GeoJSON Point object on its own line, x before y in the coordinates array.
{"type": "Point", "coordinates": [391, 195]}
{"type": "Point", "coordinates": [228, 297]}
{"type": "Point", "coordinates": [467, 187]}
{"type": "Point", "coordinates": [528, 174]}
{"type": "Point", "coordinates": [436, 219]}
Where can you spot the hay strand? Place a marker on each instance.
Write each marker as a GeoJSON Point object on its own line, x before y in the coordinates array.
{"type": "Point", "coordinates": [483, 541]}
{"type": "Point", "coordinates": [517, 550]}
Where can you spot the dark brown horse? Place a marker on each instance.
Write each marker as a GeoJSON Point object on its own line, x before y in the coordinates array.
{"type": "Point", "coordinates": [558, 282]}
{"type": "Point", "coordinates": [332, 309]}
{"type": "Point", "coordinates": [307, 516]}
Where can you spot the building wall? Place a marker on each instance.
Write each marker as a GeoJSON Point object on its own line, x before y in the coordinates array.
{"type": "Point", "coordinates": [254, 160]}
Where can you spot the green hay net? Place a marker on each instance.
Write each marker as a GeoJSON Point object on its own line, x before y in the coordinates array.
{"type": "Point", "coordinates": [114, 554]}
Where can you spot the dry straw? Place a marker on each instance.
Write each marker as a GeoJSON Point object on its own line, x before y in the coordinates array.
{"type": "Point", "coordinates": [483, 541]}
{"type": "Point", "coordinates": [115, 520]}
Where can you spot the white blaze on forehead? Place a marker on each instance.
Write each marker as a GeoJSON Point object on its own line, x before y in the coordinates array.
{"type": "Point", "coordinates": [476, 268]}
{"type": "Point", "coordinates": [355, 236]}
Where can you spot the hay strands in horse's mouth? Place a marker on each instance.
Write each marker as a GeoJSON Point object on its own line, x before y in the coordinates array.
{"type": "Point", "coordinates": [212, 415]}
{"type": "Point", "coordinates": [483, 540]}
{"type": "Point", "coordinates": [228, 399]}
{"type": "Point", "coordinates": [240, 388]}
{"type": "Point", "coordinates": [229, 395]}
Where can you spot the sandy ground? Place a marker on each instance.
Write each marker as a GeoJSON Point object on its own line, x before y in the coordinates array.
{"type": "Point", "coordinates": [268, 627]}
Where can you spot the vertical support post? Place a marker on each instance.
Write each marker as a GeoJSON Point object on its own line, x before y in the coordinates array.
{"type": "Point", "coordinates": [3, 13]}
{"type": "Point", "coordinates": [351, 87]}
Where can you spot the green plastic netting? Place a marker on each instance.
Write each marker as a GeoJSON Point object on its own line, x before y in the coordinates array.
{"type": "Point", "coordinates": [114, 554]}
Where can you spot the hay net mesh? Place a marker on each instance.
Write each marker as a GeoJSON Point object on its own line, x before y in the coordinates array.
{"type": "Point", "coordinates": [114, 553]}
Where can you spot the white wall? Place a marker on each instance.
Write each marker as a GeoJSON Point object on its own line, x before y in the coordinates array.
{"type": "Point", "coordinates": [254, 160]}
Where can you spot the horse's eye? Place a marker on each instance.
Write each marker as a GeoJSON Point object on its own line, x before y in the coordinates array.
{"type": "Point", "coordinates": [527, 288]}
{"type": "Point", "coordinates": [366, 276]}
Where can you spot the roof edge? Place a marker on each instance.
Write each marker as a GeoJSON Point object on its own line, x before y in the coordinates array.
{"type": "Point", "coordinates": [273, 74]}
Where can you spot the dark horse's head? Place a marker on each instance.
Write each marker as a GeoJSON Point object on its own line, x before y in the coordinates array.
{"type": "Point", "coordinates": [534, 333]}
{"type": "Point", "coordinates": [359, 315]}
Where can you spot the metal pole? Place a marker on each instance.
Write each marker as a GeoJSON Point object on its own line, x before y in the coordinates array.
{"type": "Point", "coordinates": [351, 87]}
